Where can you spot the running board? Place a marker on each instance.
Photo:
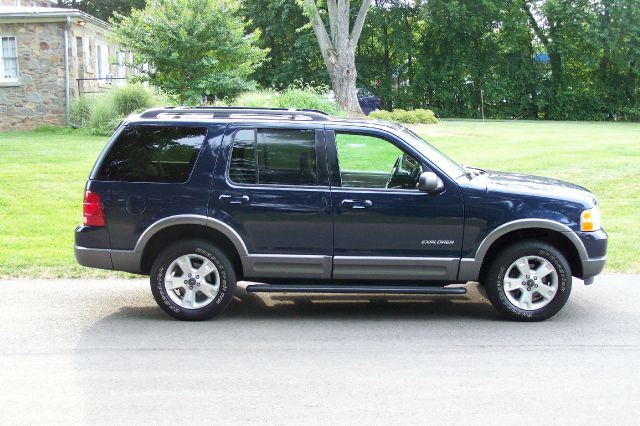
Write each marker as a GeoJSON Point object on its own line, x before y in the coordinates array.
{"type": "Point", "coordinates": [284, 288]}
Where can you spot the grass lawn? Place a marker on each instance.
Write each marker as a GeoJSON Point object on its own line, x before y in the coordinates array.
{"type": "Point", "coordinates": [42, 175]}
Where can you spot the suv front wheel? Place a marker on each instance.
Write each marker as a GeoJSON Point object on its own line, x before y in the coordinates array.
{"type": "Point", "coordinates": [528, 281]}
{"type": "Point", "coordinates": [193, 280]}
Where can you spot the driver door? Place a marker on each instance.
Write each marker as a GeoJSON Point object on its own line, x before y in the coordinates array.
{"type": "Point", "coordinates": [384, 228]}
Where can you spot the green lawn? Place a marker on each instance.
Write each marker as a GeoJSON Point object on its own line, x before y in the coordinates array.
{"type": "Point", "coordinates": [42, 175]}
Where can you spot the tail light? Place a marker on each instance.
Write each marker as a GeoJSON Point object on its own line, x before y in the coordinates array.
{"type": "Point", "coordinates": [92, 209]}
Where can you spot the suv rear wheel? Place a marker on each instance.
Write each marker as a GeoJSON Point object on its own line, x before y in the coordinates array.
{"type": "Point", "coordinates": [193, 280]}
{"type": "Point", "coordinates": [528, 281]}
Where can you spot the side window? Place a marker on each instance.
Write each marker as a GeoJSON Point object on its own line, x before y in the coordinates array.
{"type": "Point", "coordinates": [274, 157]}
{"type": "Point", "coordinates": [243, 157]}
{"type": "Point", "coordinates": [371, 162]}
{"type": "Point", "coordinates": [153, 154]}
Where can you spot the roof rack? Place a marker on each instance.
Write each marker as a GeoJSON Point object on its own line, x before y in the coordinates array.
{"type": "Point", "coordinates": [311, 114]}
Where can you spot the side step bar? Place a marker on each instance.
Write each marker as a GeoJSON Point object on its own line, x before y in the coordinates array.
{"type": "Point", "coordinates": [389, 289]}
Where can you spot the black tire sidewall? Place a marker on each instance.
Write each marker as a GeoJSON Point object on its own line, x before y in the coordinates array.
{"type": "Point", "coordinates": [494, 280]}
{"type": "Point", "coordinates": [202, 248]}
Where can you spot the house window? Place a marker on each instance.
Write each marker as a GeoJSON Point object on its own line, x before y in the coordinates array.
{"type": "Point", "coordinates": [86, 48]}
{"type": "Point", "coordinates": [9, 59]}
{"type": "Point", "coordinates": [120, 67]}
{"type": "Point", "coordinates": [102, 60]}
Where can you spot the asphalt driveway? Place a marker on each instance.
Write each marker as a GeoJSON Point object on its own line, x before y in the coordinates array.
{"type": "Point", "coordinates": [101, 352]}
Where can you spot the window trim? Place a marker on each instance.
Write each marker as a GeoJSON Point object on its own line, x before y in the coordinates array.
{"type": "Point", "coordinates": [121, 70]}
{"type": "Point", "coordinates": [99, 57]}
{"type": "Point", "coordinates": [258, 185]}
{"type": "Point", "coordinates": [2, 78]}
{"type": "Point", "coordinates": [373, 135]}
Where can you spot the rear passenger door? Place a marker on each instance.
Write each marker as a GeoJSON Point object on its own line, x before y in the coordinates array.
{"type": "Point", "coordinates": [272, 188]}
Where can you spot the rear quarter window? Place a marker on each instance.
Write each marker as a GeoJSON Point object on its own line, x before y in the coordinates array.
{"type": "Point", "coordinates": [153, 154]}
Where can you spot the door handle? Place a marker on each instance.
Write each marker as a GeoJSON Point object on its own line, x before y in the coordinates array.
{"type": "Point", "coordinates": [356, 204]}
{"type": "Point", "coordinates": [234, 199]}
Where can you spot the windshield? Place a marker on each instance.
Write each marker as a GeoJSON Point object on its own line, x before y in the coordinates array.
{"type": "Point", "coordinates": [447, 165]}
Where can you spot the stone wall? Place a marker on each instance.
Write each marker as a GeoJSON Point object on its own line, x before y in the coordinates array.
{"type": "Point", "coordinates": [39, 96]}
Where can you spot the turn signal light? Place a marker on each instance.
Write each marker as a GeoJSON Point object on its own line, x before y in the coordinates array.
{"type": "Point", "coordinates": [92, 209]}
{"type": "Point", "coordinates": [590, 220]}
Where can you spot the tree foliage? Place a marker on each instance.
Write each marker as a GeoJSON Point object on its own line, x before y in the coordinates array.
{"type": "Point", "coordinates": [558, 59]}
{"type": "Point", "coordinates": [103, 9]}
{"type": "Point", "coordinates": [191, 48]}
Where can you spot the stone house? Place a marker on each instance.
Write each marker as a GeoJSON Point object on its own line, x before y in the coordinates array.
{"type": "Point", "coordinates": [38, 81]}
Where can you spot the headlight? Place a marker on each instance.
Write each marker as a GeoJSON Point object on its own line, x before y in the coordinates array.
{"type": "Point", "coordinates": [590, 220]}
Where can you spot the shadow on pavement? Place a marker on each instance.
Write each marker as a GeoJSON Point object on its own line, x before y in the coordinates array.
{"type": "Point", "coordinates": [306, 306]}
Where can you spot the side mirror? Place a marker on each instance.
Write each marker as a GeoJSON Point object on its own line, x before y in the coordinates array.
{"type": "Point", "coordinates": [430, 183]}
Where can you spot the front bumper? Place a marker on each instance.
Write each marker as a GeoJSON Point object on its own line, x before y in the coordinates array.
{"type": "Point", "coordinates": [592, 267]}
{"type": "Point", "coordinates": [595, 244]}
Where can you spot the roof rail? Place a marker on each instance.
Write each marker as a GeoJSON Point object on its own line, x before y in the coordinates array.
{"type": "Point", "coordinates": [312, 114]}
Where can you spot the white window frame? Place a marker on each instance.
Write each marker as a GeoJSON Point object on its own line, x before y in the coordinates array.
{"type": "Point", "coordinates": [121, 69]}
{"type": "Point", "coordinates": [2, 77]}
{"type": "Point", "coordinates": [86, 50]}
{"type": "Point", "coordinates": [102, 58]}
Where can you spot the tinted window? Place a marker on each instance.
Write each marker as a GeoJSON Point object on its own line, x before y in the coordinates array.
{"type": "Point", "coordinates": [243, 157]}
{"type": "Point", "coordinates": [283, 157]}
{"type": "Point", "coordinates": [372, 162]}
{"type": "Point", "coordinates": [153, 154]}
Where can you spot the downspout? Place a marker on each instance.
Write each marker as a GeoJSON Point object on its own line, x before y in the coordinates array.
{"type": "Point", "coordinates": [67, 87]}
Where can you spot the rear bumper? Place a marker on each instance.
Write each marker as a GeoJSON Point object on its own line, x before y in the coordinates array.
{"type": "Point", "coordinates": [119, 260]}
{"type": "Point", "coordinates": [93, 258]}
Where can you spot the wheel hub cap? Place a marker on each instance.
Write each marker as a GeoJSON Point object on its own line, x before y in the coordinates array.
{"type": "Point", "coordinates": [192, 281]}
{"type": "Point", "coordinates": [530, 283]}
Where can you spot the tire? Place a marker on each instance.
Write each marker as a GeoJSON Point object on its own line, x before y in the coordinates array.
{"type": "Point", "coordinates": [515, 294]}
{"type": "Point", "coordinates": [184, 296]}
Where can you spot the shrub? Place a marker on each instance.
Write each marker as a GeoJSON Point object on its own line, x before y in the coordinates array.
{"type": "Point", "coordinates": [101, 113]}
{"type": "Point", "coordinates": [131, 98]}
{"type": "Point", "coordinates": [306, 98]}
{"type": "Point", "coordinates": [295, 96]}
{"type": "Point", "coordinates": [256, 99]}
{"type": "Point", "coordinates": [381, 114]}
{"type": "Point", "coordinates": [81, 110]}
{"type": "Point", "coordinates": [422, 116]}
{"type": "Point", "coordinates": [425, 116]}
{"type": "Point", "coordinates": [104, 118]}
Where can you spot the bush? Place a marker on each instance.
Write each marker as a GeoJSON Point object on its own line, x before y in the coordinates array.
{"type": "Point", "coordinates": [81, 109]}
{"type": "Point", "coordinates": [256, 99]}
{"type": "Point", "coordinates": [101, 113]}
{"type": "Point", "coordinates": [295, 96]}
{"type": "Point", "coordinates": [131, 98]}
{"type": "Point", "coordinates": [422, 116]}
{"type": "Point", "coordinates": [425, 116]}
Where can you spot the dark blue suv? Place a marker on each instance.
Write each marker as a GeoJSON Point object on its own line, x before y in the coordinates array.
{"type": "Point", "coordinates": [296, 201]}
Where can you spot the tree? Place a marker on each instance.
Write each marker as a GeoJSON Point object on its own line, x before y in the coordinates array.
{"type": "Point", "coordinates": [191, 48]}
{"type": "Point", "coordinates": [338, 47]}
{"type": "Point", "coordinates": [293, 49]}
{"type": "Point", "coordinates": [104, 9]}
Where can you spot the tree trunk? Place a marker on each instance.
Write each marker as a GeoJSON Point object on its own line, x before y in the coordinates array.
{"type": "Point", "coordinates": [386, 63]}
{"type": "Point", "coordinates": [338, 50]}
{"type": "Point", "coordinates": [343, 74]}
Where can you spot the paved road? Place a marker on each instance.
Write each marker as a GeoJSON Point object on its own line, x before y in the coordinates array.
{"type": "Point", "coordinates": [101, 352]}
